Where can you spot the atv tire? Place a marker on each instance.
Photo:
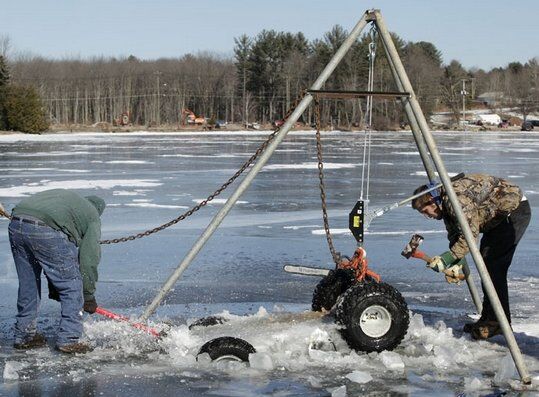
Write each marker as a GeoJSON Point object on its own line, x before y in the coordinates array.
{"type": "Point", "coordinates": [227, 348]}
{"type": "Point", "coordinates": [374, 315]}
{"type": "Point", "coordinates": [208, 321]}
{"type": "Point", "coordinates": [330, 287]}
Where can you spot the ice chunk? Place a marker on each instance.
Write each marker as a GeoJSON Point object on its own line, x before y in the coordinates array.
{"type": "Point", "coordinates": [392, 360]}
{"type": "Point", "coordinates": [320, 340]}
{"type": "Point", "coordinates": [359, 377]}
{"type": "Point", "coordinates": [474, 384]}
{"type": "Point", "coordinates": [506, 370]}
{"type": "Point", "coordinates": [314, 382]}
{"type": "Point", "coordinates": [261, 361]}
{"type": "Point", "coordinates": [339, 392]}
{"type": "Point", "coordinates": [204, 358]}
{"type": "Point", "coordinates": [11, 369]}
{"type": "Point", "coordinates": [443, 357]}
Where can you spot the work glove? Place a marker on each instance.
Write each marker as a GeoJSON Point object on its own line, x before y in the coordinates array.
{"type": "Point", "coordinates": [90, 305]}
{"type": "Point", "coordinates": [440, 262]}
{"type": "Point", "coordinates": [453, 272]}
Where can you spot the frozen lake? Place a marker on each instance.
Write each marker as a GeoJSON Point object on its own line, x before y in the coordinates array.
{"type": "Point", "coordinates": [148, 179]}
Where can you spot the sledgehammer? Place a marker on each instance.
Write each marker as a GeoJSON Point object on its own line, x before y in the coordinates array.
{"type": "Point", "coordinates": [411, 251]}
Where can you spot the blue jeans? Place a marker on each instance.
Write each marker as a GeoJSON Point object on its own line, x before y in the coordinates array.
{"type": "Point", "coordinates": [37, 247]}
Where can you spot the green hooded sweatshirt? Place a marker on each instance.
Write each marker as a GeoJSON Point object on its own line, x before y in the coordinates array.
{"type": "Point", "coordinates": [76, 216]}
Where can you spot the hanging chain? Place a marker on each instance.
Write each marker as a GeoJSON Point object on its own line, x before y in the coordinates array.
{"type": "Point", "coordinates": [334, 254]}
{"type": "Point", "coordinates": [194, 209]}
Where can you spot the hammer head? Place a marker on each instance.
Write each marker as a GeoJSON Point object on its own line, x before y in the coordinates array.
{"type": "Point", "coordinates": [409, 249]}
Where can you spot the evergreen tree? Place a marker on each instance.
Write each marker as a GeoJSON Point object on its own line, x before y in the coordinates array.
{"type": "Point", "coordinates": [24, 110]}
{"type": "Point", "coordinates": [4, 80]}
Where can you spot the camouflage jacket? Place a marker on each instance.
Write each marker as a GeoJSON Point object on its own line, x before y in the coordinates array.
{"type": "Point", "coordinates": [486, 201]}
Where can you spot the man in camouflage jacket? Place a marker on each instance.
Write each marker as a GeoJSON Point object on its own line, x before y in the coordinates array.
{"type": "Point", "coordinates": [494, 207]}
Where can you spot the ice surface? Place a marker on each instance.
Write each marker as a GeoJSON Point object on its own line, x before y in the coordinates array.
{"type": "Point", "coordinates": [238, 274]}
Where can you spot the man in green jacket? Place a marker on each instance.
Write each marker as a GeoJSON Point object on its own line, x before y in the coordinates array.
{"type": "Point", "coordinates": [56, 231]}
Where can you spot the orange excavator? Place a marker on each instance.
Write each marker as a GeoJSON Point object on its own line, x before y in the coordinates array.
{"type": "Point", "coordinates": [189, 117]}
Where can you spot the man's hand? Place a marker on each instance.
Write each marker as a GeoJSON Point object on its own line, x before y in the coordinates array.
{"type": "Point", "coordinates": [90, 306]}
{"type": "Point", "coordinates": [452, 274]}
{"type": "Point", "coordinates": [440, 262]}
{"type": "Point", "coordinates": [437, 264]}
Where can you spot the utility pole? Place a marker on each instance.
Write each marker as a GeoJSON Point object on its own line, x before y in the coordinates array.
{"type": "Point", "coordinates": [464, 93]}
{"type": "Point", "coordinates": [158, 110]}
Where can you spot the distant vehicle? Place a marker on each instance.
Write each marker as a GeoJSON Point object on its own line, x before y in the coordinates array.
{"type": "Point", "coordinates": [278, 123]}
{"type": "Point", "coordinates": [122, 120]}
{"type": "Point", "coordinates": [220, 124]}
{"type": "Point", "coordinates": [190, 118]}
{"type": "Point", "coordinates": [253, 126]}
{"type": "Point", "coordinates": [487, 119]}
{"type": "Point", "coordinates": [528, 125]}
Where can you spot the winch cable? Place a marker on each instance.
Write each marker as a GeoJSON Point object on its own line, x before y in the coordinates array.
{"type": "Point", "coordinates": [368, 128]}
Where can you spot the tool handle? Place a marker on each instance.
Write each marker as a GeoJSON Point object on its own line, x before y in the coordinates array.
{"type": "Point", "coordinates": [119, 317]}
{"type": "Point", "coordinates": [421, 255]}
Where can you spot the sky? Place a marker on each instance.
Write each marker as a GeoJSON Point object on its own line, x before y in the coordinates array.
{"type": "Point", "coordinates": [478, 33]}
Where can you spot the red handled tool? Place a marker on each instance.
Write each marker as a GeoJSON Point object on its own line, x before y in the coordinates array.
{"type": "Point", "coordinates": [119, 317]}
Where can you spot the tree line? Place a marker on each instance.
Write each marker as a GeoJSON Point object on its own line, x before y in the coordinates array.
{"type": "Point", "coordinates": [263, 79]}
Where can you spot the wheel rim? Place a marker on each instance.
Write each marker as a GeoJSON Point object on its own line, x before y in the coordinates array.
{"type": "Point", "coordinates": [227, 357]}
{"type": "Point", "coordinates": [375, 321]}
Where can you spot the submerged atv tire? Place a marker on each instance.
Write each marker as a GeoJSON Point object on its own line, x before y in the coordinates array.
{"type": "Point", "coordinates": [374, 315]}
{"type": "Point", "coordinates": [208, 321]}
{"type": "Point", "coordinates": [227, 348]}
{"type": "Point", "coordinates": [330, 287]}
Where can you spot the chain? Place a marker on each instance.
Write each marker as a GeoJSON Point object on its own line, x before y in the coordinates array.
{"type": "Point", "coordinates": [194, 209]}
{"type": "Point", "coordinates": [335, 255]}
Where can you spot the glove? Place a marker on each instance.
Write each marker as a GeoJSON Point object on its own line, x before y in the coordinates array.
{"type": "Point", "coordinates": [90, 305]}
{"type": "Point", "coordinates": [452, 273]}
{"type": "Point", "coordinates": [441, 262]}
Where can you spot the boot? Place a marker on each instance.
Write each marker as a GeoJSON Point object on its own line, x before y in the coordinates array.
{"type": "Point", "coordinates": [486, 330]}
{"type": "Point", "coordinates": [468, 327]}
{"type": "Point", "coordinates": [75, 348]}
{"type": "Point", "coordinates": [36, 341]}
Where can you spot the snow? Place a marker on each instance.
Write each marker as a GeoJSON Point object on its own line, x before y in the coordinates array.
{"type": "Point", "coordinates": [80, 184]}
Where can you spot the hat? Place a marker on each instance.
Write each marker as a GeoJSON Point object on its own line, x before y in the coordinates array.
{"type": "Point", "coordinates": [97, 202]}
